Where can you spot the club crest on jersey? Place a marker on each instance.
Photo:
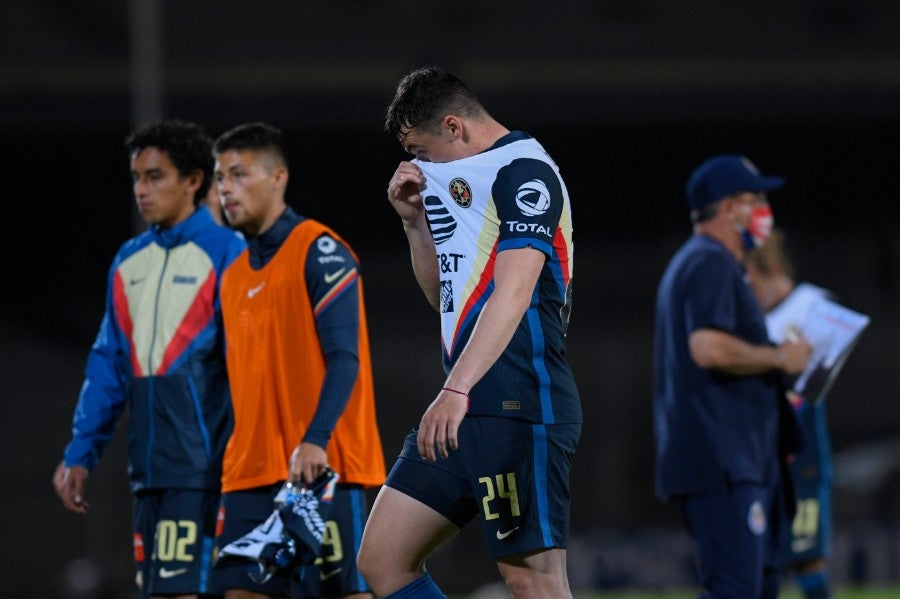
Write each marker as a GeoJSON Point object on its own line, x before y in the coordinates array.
{"type": "Point", "coordinates": [756, 518]}
{"type": "Point", "coordinates": [461, 192]}
{"type": "Point", "coordinates": [533, 198]}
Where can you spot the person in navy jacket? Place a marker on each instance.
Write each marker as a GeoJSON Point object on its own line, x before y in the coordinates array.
{"type": "Point", "coordinates": [716, 400]}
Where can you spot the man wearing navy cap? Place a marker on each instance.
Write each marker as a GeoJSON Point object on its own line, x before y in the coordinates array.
{"type": "Point", "coordinates": [716, 402]}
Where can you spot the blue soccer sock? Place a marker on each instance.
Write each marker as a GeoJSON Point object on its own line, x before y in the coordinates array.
{"type": "Point", "coordinates": [421, 588]}
{"type": "Point", "coordinates": [814, 585]}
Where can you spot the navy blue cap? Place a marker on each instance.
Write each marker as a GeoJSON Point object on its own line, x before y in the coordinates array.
{"type": "Point", "coordinates": [726, 175]}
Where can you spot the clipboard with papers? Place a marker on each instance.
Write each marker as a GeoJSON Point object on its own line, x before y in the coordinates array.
{"type": "Point", "coordinates": [831, 329]}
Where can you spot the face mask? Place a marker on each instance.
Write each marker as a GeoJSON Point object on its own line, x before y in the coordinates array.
{"type": "Point", "coordinates": [760, 226]}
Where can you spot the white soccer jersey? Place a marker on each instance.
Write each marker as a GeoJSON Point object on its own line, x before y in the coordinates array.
{"type": "Point", "coordinates": [510, 196]}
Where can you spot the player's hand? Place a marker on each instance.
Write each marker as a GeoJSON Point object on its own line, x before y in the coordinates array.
{"type": "Point", "coordinates": [308, 462]}
{"type": "Point", "coordinates": [439, 425]}
{"type": "Point", "coordinates": [404, 192]}
{"type": "Point", "coordinates": [69, 484]}
{"type": "Point", "coordinates": [796, 355]}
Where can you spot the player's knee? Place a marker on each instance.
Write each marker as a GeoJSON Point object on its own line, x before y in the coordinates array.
{"type": "Point", "coordinates": [384, 569]}
{"type": "Point", "coordinates": [374, 570]}
{"type": "Point", "coordinates": [365, 564]}
{"type": "Point", "coordinates": [526, 583]}
{"type": "Point", "coordinates": [372, 564]}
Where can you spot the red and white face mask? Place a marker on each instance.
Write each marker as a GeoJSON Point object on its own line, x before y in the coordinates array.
{"type": "Point", "coordinates": [760, 226]}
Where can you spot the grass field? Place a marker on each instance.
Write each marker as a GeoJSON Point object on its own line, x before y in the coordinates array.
{"type": "Point", "coordinates": [786, 594]}
{"type": "Point", "coordinates": [840, 593]}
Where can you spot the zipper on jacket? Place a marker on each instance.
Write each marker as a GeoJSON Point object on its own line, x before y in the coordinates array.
{"type": "Point", "coordinates": [152, 371]}
{"type": "Point", "coordinates": [200, 423]}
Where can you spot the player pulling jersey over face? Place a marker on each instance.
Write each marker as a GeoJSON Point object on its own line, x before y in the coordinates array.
{"type": "Point", "coordinates": [488, 222]}
{"type": "Point", "coordinates": [508, 197]}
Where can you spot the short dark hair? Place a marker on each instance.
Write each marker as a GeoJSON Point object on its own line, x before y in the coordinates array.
{"type": "Point", "coordinates": [188, 147]}
{"type": "Point", "coordinates": [253, 136]}
{"type": "Point", "coordinates": [705, 213]}
{"type": "Point", "coordinates": [426, 95]}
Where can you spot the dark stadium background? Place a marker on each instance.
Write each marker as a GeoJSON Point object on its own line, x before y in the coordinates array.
{"type": "Point", "coordinates": [627, 96]}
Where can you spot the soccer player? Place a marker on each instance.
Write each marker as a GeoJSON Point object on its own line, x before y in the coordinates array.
{"type": "Point", "coordinates": [717, 404]}
{"type": "Point", "coordinates": [301, 375]}
{"type": "Point", "coordinates": [808, 541]}
{"type": "Point", "coordinates": [488, 222]}
{"type": "Point", "coordinates": [159, 351]}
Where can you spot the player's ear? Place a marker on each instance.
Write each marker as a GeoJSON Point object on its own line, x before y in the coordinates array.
{"type": "Point", "coordinates": [195, 180]}
{"type": "Point", "coordinates": [731, 206]}
{"type": "Point", "coordinates": [454, 125]}
{"type": "Point", "coordinates": [280, 177]}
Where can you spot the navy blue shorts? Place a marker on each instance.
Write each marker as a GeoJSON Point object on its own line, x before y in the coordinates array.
{"type": "Point", "coordinates": [737, 535]}
{"type": "Point", "coordinates": [174, 533]}
{"type": "Point", "coordinates": [809, 538]}
{"type": "Point", "coordinates": [334, 572]}
{"type": "Point", "coordinates": [810, 532]}
{"type": "Point", "coordinates": [511, 473]}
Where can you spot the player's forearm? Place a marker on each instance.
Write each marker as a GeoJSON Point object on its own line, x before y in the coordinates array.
{"type": "Point", "coordinates": [100, 405]}
{"type": "Point", "coordinates": [340, 378]}
{"type": "Point", "coordinates": [490, 337]}
{"type": "Point", "coordinates": [515, 276]}
{"type": "Point", "coordinates": [337, 327]}
{"type": "Point", "coordinates": [424, 262]}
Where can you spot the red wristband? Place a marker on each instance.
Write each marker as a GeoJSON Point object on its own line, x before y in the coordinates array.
{"type": "Point", "coordinates": [466, 395]}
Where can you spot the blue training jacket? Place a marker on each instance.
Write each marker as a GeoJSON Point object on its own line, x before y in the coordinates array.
{"type": "Point", "coordinates": [160, 352]}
